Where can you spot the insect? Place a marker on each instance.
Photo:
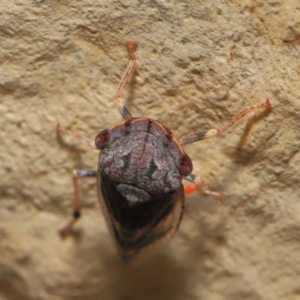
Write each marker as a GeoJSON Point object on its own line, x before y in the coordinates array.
{"type": "Point", "coordinates": [139, 175]}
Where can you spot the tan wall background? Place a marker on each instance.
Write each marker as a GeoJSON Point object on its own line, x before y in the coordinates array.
{"type": "Point", "coordinates": [200, 62]}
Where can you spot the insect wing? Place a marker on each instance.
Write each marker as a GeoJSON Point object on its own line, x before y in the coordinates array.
{"type": "Point", "coordinates": [136, 227]}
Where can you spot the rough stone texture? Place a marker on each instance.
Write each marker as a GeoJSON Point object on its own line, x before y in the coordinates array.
{"type": "Point", "coordinates": [199, 64]}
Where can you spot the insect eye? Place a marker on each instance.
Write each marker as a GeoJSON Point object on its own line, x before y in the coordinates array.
{"type": "Point", "coordinates": [102, 139]}
{"type": "Point", "coordinates": [185, 165]}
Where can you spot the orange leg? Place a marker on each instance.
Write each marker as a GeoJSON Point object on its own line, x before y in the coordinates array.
{"type": "Point", "coordinates": [65, 231]}
{"type": "Point", "coordinates": [131, 45]}
{"type": "Point", "coordinates": [202, 135]}
{"type": "Point", "coordinates": [199, 185]}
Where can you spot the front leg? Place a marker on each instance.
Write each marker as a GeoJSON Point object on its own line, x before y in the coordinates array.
{"type": "Point", "coordinates": [202, 135]}
{"type": "Point", "coordinates": [131, 45]}
{"type": "Point", "coordinates": [199, 185]}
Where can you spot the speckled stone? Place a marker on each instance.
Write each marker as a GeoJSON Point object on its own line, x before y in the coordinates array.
{"type": "Point", "coordinates": [200, 62]}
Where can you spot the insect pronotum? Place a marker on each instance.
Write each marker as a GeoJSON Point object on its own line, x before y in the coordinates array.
{"type": "Point", "coordinates": [139, 175]}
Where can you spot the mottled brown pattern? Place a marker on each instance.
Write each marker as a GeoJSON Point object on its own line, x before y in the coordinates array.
{"type": "Point", "coordinates": [141, 159]}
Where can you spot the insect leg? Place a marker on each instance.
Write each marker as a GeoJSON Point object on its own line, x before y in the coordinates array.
{"type": "Point", "coordinates": [202, 135]}
{"type": "Point", "coordinates": [61, 129]}
{"type": "Point", "coordinates": [131, 45]}
{"type": "Point", "coordinates": [76, 202]}
{"type": "Point", "coordinates": [199, 185]}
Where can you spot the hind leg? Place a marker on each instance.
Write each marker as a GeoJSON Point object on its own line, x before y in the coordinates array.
{"type": "Point", "coordinates": [76, 202]}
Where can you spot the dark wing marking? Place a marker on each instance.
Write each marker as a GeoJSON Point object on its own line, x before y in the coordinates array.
{"type": "Point", "coordinates": [135, 227]}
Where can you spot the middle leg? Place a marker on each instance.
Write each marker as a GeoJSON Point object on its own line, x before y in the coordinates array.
{"type": "Point", "coordinates": [199, 185]}
{"type": "Point", "coordinates": [83, 140]}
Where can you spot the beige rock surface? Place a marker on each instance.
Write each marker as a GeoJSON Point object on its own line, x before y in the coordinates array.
{"type": "Point", "coordinates": [200, 62]}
